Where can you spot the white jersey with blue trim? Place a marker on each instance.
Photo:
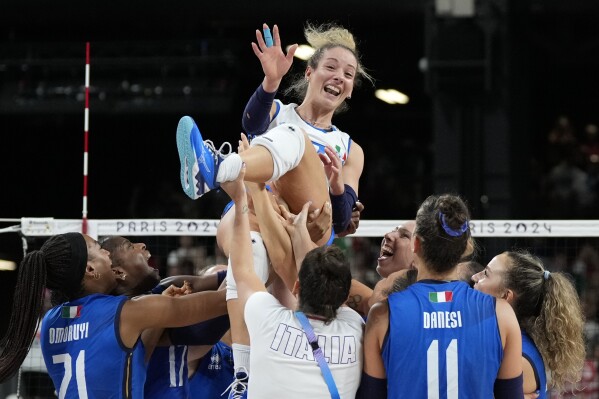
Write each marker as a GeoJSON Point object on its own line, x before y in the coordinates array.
{"type": "Point", "coordinates": [340, 141]}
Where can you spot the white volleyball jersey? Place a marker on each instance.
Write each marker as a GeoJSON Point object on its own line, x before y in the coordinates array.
{"type": "Point", "coordinates": [282, 363]}
{"type": "Point", "coordinates": [337, 139]}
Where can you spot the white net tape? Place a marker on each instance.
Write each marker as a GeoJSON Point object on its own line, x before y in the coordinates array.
{"type": "Point", "coordinates": [368, 228]}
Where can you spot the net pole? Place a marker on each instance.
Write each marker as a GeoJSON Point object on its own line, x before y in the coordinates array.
{"type": "Point", "coordinates": [85, 141]}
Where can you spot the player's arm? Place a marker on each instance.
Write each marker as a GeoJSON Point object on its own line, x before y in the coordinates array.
{"type": "Point", "coordinates": [261, 107]}
{"type": "Point", "coordinates": [509, 380]}
{"type": "Point", "coordinates": [344, 184]}
{"type": "Point", "coordinates": [275, 238]}
{"type": "Point", "coordinates": [353, 167]}
{"type": "Point", "coordinates": [374, 376]}
{"type": "Point", "coordinates": [296, 228]}
{"type": "Point", "coordinates": [241, 247]}
{"type": "Point", "coordinates": [152, 311]}
{"type": "Point", "coordinates": [198, 283]}
{"type": "Point", "coordinates": [359, 297]}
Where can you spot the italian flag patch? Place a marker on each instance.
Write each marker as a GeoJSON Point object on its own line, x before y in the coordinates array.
{"type": "Point", "coordinates": [443, 296]}
{"type": "Point", "coordinates": [71, 312]}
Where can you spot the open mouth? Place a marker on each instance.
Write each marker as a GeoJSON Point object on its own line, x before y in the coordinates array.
{"type": "Point", "coordinates": [386, 252]}
{"type": "Point", "coordinates": [332, 90]}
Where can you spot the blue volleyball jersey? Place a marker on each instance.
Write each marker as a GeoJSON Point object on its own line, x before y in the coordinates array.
{"type": "Point", "coordinates": [532, 354]}
{"type": "Point", "coordinates": [214, 373]}
{"type": "Point", "coordinates": [167, 373]}
{"type": "Point", "coordinates": [443, 342]}
{"type": "Point", "coordinates": [84, 353]}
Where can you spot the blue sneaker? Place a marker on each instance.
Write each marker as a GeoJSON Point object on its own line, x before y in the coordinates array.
{"type": "Point", "coordinates": [239, 386]}
{"type": "Point", "coordinates": [199, 159]}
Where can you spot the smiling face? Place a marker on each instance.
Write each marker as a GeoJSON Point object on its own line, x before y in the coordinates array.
{"type": "Point", "coordinates": [396, 250]}
{"type": "Point", "coordinates": [332, 81]}
{"type": "Point", "coordinates": [490, 280]}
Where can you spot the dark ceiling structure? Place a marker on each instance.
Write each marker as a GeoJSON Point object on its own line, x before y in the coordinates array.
{"type": "Point", "coordinates": [153, 62]}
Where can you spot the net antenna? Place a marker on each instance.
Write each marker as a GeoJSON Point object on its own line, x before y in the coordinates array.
{"type": "Point", "coordinates": [85, 141]}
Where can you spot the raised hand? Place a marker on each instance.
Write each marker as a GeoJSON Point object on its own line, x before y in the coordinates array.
{"type": "Point", "coordinates": [275, 63]}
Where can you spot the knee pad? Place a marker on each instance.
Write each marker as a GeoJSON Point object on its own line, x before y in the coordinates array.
{"type": "Point", "coordinates": [286, 144]}
{"type": "Point", "coordinates": [261, 263]}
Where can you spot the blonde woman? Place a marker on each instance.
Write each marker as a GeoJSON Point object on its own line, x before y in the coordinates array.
{"type": "Point", "coordinates": [550, 316]}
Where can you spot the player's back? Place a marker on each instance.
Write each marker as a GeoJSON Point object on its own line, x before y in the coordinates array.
{"type": "Point", "coordinates": [84, 354]}
{"type": "Point", "coordinates": [214, 373]}
{"type": "Point", "coordinates": [443, 342]}
{"type": "Point", "coordinates": [167, 373]}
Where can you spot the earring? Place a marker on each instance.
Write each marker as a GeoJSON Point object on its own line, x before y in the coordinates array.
{"type": "Point", "coordinates": [348, 97]}
{"type": "Point", "coordinates": [97, 276]}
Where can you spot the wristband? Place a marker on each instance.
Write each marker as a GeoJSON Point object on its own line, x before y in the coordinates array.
{"type": "Point", "coordinates": [343, 206]}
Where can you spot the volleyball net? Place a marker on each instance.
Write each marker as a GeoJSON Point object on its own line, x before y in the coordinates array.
{"type": "Point", "coordinates": [188, 246]}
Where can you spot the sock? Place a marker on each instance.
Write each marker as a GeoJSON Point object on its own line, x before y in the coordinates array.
{"type": "Point", "coordinates": [241, 356]}
{"type": "Point", "coordinates": [229, 168]}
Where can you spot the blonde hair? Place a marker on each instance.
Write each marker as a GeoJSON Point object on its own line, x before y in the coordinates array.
{"type": "Point", "coordinates": [548, 309]}
{"type": "Point", "coordinates": [323, 37]}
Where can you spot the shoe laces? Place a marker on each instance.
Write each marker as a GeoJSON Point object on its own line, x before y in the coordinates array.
{"type": "Point", "coordinates": [239, 384]}
{"type": "Point", "coordinates": [220, 152]}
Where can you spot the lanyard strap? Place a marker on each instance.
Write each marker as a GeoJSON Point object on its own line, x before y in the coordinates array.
{"type": "Point", "coordinates": [324, 367]}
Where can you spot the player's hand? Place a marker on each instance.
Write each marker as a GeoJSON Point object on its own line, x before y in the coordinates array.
{"type": "Point", "coordinates": [294, 224]}
{"type": "Point", "coordinates": [332, 169]}
{"type": "Point", "coordinates": [174, 291]}
{"type": "Point", "coordinates": [355, 220]}
{"type": "Point", "coordinates": [275, 63]}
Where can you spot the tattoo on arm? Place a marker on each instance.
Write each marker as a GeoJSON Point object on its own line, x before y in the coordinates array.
{"type": "Point", "coordinates": [244, 209]}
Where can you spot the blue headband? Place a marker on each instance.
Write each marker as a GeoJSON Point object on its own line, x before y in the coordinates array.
{"type": "Point", "coordinates": [454, 233]}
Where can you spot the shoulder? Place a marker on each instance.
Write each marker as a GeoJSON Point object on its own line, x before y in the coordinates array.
{"type": "Point", "coordinates": [379, 313]}
{"type": "Point", "coordinates": [356, 152]}
{"type": "Point", "coordinates": [506, 319]}
{"type": "Point", "coordinates": [281, 106]}
{"type": "Point", "coordinates": [350, 315]}
{"type": "Point", "coordinates": [261, 300]}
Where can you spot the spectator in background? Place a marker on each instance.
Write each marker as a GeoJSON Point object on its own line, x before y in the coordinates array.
{"type": "Point", "coordinates": [560, 136]}
{"type": "Point", "coordinates": [188, 259]}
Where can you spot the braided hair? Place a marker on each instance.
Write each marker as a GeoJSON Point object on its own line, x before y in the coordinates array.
{"type": "Point", "coordinates": [54, 266]}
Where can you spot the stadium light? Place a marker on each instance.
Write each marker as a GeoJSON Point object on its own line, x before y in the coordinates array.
{"type": "Point", "coordinates": [303, 52]}
{"type": "Point", "coordinates": [7, 265]}
{"type": "Point", "coordinates": [391, 96]}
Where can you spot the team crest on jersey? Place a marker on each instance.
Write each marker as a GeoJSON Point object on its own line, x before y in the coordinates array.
{"type": "Point", "coordinates": [215, 362]}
